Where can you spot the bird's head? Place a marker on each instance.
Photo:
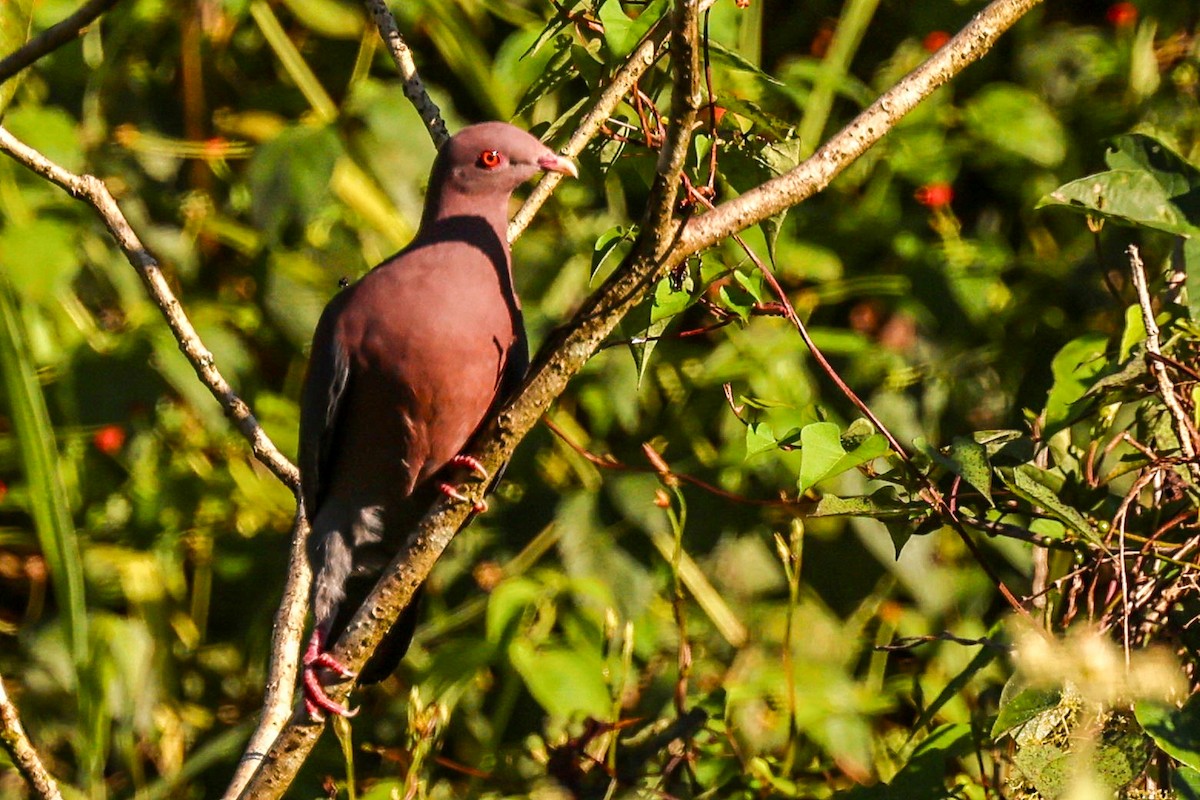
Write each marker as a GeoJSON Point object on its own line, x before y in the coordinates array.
{"type": "Point", "coordinates": [495, 158]}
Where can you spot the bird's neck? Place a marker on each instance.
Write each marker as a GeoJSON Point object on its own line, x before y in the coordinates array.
{"type": "Point", "coordinates": [448, 203]}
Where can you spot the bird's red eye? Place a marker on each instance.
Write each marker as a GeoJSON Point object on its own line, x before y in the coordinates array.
{"type": "Point", "coordinates": [489, 159]}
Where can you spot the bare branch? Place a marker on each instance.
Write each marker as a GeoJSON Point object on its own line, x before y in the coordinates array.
{"type": "Point", "coordinates": [414, 87]}
{"type": "Point", "coordinates": [53, 38]}
{"type": "Point", "coordinates": [24, 757]}
{"type": "Point", "coordinates": [865, 130]}
{"type": "Point", "coordinates": [1184, 428]}
{"type": "Point", "coordinates": [92, 190]}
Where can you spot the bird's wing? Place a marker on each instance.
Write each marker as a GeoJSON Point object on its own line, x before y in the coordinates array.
{"type": "Point", "coordinates": [326, 387]}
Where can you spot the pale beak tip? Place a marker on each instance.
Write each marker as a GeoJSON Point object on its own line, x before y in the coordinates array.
{"type": "Point", "coordinates": [556, 163]}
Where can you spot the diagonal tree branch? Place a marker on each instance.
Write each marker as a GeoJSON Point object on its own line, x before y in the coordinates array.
{"type": "Point", "coordinates": [569, 349]}
{"type": "Point", "coordinates": [52, 38]}
{"type": "Point", "coordinates": [814, 174]}
{"type": "Point", "coordinates": [92, 191]}
{"type": "Point", "coordinates": [24, 757]}
{"type": "Point", "coordinates": [414, 87]}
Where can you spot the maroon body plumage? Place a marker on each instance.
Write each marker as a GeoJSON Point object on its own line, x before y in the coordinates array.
{"type": "Point", "coordinates": [405, 365]}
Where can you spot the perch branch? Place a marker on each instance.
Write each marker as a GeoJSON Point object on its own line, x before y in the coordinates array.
{"type": "Point", "coordinates": [92, 191]}
{"type": "Point", "coordinates": [414, 87]}
{"type": "Point", "coordinates": [567, 350]}
{"type": "Point", "coordinates": [22, 753]}
{"type": "Point", "coordinates": [52, 38]}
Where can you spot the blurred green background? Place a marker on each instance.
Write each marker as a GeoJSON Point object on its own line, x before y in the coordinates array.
{"type": "Point", "coordinates": [264, 151]}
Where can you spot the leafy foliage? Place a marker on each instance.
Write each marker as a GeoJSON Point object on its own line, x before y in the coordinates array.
{"type": "Point", "coordinates": [718, 578]}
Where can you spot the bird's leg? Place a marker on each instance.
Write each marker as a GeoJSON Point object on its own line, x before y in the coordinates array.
{"type": "Point", "coordinates": [315, 698]}
{"type": "Point", "coordinates": [471, 463]}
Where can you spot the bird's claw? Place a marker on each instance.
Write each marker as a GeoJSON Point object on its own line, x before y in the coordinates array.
{"type": "Point", "coordinates": [471, 463]}
{"type": "Point", "coordinates": [315, 698]}
{"type": "Point", "coordinates": [479, 506]}
{"type": "Point", "coordinates": [317, 701]}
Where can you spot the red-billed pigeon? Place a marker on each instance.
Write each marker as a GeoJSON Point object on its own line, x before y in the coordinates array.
{"type": "Point", "coordinates": [405, 365]}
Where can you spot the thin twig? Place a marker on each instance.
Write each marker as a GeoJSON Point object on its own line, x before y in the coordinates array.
{"type": "Point", "coordinates": [414, 87]}
{"type": "Point", "coordinates": [648, 51]}
{"type": "Point", "coordinates": [909, 642]}
{"type": "Point", "coordinates": [1184, 428]}
{"type": "Point", "coordinates": [92, 191]}
{"type": "Point", "coordinates": [22, 752]}
{"type": "Point", "coordinates": [52, 38]}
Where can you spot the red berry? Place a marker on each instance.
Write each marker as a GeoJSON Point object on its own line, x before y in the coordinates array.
{"type": "Point", "coordinates": [935, 195]}
{"type": "Point", "coordinates": [934, 40]}
{"type": "Point", "coordinates": [1122, 15]}
{"type": "Point", "coordinates": [109, 439]}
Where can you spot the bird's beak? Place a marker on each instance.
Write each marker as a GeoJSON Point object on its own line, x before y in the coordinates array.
{"type": "Point", "coordinates": [555, 163]}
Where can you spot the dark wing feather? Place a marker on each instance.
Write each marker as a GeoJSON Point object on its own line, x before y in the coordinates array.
{"type": "Point", "coordinates": [326, 387]}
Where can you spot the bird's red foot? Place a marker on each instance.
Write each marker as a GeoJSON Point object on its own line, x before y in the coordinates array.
{"type": "Point", "coordinates": [315, 698]}
{"type": "Point", "coordinates": [479, 506]}
{"type": "Point", "coordinates": [471, 463]}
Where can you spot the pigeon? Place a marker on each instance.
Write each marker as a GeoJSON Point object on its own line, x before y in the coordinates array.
{"type": "Point", "coordinates": [405, 365]}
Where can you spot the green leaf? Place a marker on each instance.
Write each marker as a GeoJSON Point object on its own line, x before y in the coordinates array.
{"type": "Point", "coordinates": [1038, 487]}
{"type": "Point", "coordinates": [1019, 704]}
{"type": "Point", "coordinates": [1186, 783]}
{"type": "Point", "coordinates": [668, 300]}
{"type": "Point", "coordinates": [566, 683]}
{"type": "Point", "coordinates": [951, 690]}
{"type": "Point", "coordinates": [507, 603]}
{"type": "Point", "coordinates": [1126, 196]}
{"type": "Point", "coordinates": [618, 239]}
{"type": "Point", "coordinates": [969, 460]}
{"type": "Point", "coordinates": [48, 247]}
{"type": "Point", "coordinates": [822, 454]}
{"type": "Point", "coordinates": [1018, 121]}
{"type": "Point", "coordinates": [621, 31]}
{"type": "Point", "coordinates": [759, 438]}
{"type": "Point", "coordinates": [1191, 267]}
{"type": "Point", "coordinates": [1141, 152]}
{"type": "Point", "coordinates": [1175, 730]}
{"type": "Point", "coordinates": [880, 504]}
{"type": "Point", "coordinates": [558, 71]}
{"type": "Point", "coordinates": [1148, 185]}
{"type": "Point", "coordinates": [1074, 367]}
{"type": "Point", "coordinates": [336, 19]}
{"type": "Point", "coordinates": [49, 504]}
{"type": "Point", "coordinates": [289, 177]}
